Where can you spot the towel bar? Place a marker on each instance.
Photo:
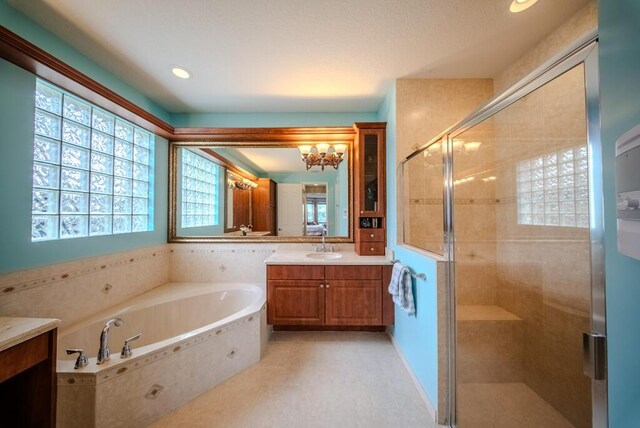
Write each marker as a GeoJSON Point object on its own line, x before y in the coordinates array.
{"type": "Point", "coordinates": [411, 272]}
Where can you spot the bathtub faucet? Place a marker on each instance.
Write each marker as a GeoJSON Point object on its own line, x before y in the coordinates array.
{"type": "Point", "coordinates": [103, 352]}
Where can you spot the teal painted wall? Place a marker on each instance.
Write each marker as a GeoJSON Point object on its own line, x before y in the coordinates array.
{"type": "Point", "coordinates": [619, 28]}
{"type": "Point", "coordinates": [16, 121]}
{"type": "Point", "coordinates": [415, 336]}
{"type": "Point", "coordinates": [17, 106]}
{"type": "Point", "coordinates": [268, 120]}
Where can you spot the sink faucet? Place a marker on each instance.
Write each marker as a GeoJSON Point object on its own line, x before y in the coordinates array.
{"type": "Point", "coordinates": [324, 234]}
{"type": "Point", "coordinates": [103, 352]}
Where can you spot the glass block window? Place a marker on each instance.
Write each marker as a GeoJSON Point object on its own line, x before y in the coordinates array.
{"type": "Point", "coordinates": [199, 190]}
{"type": "Point", "coordinates": [553, 189]}
{"type": "Point", "coordinates": [91, 171]}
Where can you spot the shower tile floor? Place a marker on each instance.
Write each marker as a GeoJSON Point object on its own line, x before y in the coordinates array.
{"type": "Point", "coordinates": [313, 379]}
{"type": "Point", "coordinates": [505, 405]}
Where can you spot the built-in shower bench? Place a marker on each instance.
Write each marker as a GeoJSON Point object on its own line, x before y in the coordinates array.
{"type": "Point", "coordinates": [490, 344]}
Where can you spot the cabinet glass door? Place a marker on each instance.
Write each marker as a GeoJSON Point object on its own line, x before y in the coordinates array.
{"type": "Point", "coordinates": [370, 161]}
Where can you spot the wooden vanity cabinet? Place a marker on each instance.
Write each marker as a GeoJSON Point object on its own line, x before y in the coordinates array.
{"type": "Point", "coordinates": [332, 295]}
{"type": "Point", "coordinates": [370, 188]}
{"type": "Point", "coordinates": [28, 382]}
{"type": "Point", "coordinates": [263, 206]}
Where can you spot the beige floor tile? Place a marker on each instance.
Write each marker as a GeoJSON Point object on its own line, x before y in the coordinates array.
{"type": "Point", "coordinates": [505, 405]}
{"type": "Point", "coordinates": [313, 380]}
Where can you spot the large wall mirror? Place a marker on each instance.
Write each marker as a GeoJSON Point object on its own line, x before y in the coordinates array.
{"type": "Point", "coordinates": [262, 191]}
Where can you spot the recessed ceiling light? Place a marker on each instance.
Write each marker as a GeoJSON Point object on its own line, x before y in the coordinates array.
{"type": "Point", "coordinates": [520, 5]}
{"type": "Point", "coordinates": [180, 72]}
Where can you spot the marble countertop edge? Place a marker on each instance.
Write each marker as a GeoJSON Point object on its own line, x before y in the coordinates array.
{"type": "Point", "coordinates": [15, 330]}
{"type": "Point", "coordinates": [300, 258]}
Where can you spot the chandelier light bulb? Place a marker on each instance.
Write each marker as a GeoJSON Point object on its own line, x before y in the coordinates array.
{"type": "Point", "coordinates": [304, 150]}
{"type": "Point", "coordinates": [323, 148]}
{"type": "Point", "coordinates": [340, 149]}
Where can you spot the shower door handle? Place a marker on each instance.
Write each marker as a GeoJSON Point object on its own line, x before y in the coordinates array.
{"type": "Point", "coordinates": [594, 355]}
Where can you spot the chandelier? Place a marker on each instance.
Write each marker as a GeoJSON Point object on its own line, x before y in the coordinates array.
{"type": "Point", "coordinates": [322, 155]}
{"type": "Point", "coordinates": [240, 183]}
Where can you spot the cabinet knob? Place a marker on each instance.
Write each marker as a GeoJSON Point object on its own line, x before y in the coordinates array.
{"type": "Point", "coordinates": [371, 249]}
{"type": "Point", "coordinates": [327, 285]}
{"type": "Point", "coordinates": [372, 235]}
{"type": "Point", "coordinates": [321, 285]}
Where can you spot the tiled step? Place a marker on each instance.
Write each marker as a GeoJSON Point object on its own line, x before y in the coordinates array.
{"type": "Point", "coordinates": [483, 313]}
{"type": "Point", "coordinates": [490, 344]}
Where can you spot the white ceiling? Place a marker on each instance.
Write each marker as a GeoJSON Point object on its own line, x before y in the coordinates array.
{"type": "Point", "coordinates": [293, 55]}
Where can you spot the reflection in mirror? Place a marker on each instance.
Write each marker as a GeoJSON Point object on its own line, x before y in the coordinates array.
{"type": "Point", "coordinates": [315, 205]}
{"type": "Point", "coordinates": [423, 223]}
{"type": "Point", "coordinates": [259, 191]}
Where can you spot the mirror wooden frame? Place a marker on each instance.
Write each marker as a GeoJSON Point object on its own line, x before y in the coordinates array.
{"type": "Point", "coordinates": [256, 137]}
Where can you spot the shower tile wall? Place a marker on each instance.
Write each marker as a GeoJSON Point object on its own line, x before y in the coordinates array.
{"type": "Point", "coordinates": [75, 290]}
{"type": "Point", "coordinates": [424, 108]}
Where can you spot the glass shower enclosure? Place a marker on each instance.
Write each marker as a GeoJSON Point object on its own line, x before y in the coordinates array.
{"type": "Point", "coordinates": [525, 237]}
{"type": "Point", "coordinates": [522, 238]}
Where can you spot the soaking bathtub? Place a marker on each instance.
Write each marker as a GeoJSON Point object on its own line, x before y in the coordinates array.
{"type": "Point", "coordinates": [194, 336]}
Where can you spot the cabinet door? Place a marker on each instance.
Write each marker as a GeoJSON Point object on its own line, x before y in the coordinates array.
{"type": "Point", "coordinates": [353, 302]}
{"type": "Point", "coordinates": [295, 302]}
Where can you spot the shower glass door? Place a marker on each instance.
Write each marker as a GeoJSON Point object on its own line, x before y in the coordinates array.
{"type": "Point", "coordinates": [522, 262]}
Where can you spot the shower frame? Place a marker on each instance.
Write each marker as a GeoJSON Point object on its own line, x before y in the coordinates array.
{"type": "Point", "coordinates": [583, 51]}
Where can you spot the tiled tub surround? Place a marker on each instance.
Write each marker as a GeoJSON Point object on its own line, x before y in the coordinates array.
{"type": "Point", "coordinates": [238, 262]}
{"type": "Point", "coordinates": [75, 290]}
{"type": "Point", "coordinates": [224, 262]}
{"type": "Point", "coordinates": [194, 336]}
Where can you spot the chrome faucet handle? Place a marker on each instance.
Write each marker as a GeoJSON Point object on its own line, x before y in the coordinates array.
{"type": "Point", "coordinates": [331, 249]}
{"type": "Point", "coordinates": [315, 248]}
{"type": "Point", "coordinates": [81, 361]}
{"type": "Point", "coordinates": [126, 349]}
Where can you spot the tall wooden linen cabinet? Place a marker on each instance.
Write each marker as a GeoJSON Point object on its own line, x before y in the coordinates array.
{"type": "Point", "coordinates": [370, 188]}
{"type": "Point", "coordinates": [264, 214]}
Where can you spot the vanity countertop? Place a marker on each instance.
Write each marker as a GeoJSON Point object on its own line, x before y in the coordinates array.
{"type": "Point", "coordinates": [252, 233]}
{"type": "Point", "coordinates": [17, 330]}
{"type": "Point", "coordinates": [298, 257]}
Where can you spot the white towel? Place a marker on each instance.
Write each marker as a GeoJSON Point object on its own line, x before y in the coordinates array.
{"type": "Point", "coordinates": [400, 288]}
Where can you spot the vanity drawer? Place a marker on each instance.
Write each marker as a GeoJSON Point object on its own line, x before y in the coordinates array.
{"type": "Point", "coordinates": [353, 272]}
{"type": "Point", "coordinates": [23, 356]}
{"type": "Point", "coordinates": [371, 235]}
{"type": "Point", "coordinates": [371, 248]}
{"type": "Point", "coordinates": [294, 272]}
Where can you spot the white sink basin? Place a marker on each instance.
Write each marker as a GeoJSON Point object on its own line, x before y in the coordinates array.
{"type": "Point", "coordinates": [324, 256]}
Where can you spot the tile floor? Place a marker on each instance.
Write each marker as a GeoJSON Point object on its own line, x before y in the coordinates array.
{"type": "Point", "coordinates": [313, 379]}
{"type": "Point", "coordinates": [505, 405]}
